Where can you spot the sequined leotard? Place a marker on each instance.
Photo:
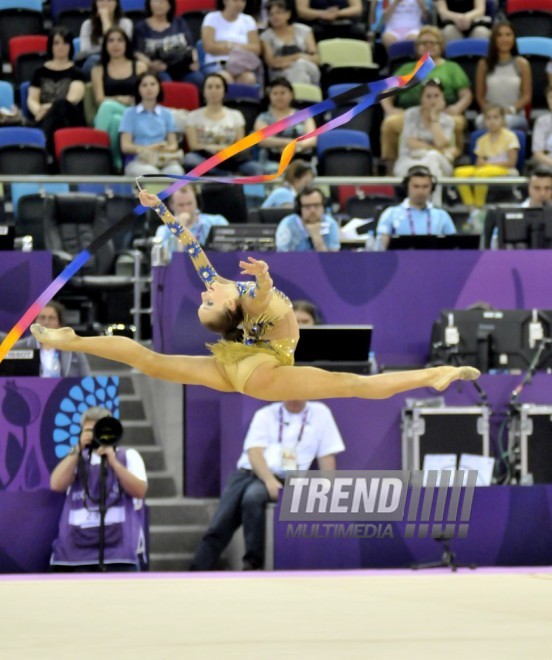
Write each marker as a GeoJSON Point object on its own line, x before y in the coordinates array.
{"type": "Point", "coordinates": [240, 359]}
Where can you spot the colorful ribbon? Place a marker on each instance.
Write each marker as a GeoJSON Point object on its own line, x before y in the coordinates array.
{"type": "Point", "coordinates": [365, 95]}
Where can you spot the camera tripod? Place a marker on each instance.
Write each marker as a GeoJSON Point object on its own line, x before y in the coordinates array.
{"type": "Point", "coordinates": [447, 560]}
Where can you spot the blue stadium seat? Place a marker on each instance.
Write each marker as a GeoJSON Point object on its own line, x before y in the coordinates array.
{"type": "Point", "coordinates": [522, 137]}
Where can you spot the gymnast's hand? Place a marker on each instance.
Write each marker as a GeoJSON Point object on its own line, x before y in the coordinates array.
{"type": "Point", "coordinates": [255, 267]}
{"type": "Point", "coordinates": [147, 199]}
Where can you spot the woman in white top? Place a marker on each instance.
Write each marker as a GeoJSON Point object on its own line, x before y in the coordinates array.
{"type": "Point", "coordinates": [403, 20]}
{"type": "Point", "coordinates": [428, 134]}
{"type": "Point", "coordinates": [214, 127]}
{"type": "Point", "coordinates": [504, 78]}
{"type": "Point", "coordinates": [223, 32]}
{"type": "Point", "coordinates": [289, 49]}
{"type": "Point", "coordinates": [104, 14]}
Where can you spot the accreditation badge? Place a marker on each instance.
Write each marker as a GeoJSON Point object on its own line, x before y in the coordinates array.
{"type": "Point", "coordinates": [289, 459]}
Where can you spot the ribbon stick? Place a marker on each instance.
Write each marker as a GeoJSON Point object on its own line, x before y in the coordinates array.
{"type": "Point", "coordinates": [365, 96]}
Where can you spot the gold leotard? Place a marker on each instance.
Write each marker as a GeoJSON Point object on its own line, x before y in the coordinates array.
{"type": "Point", "coordinates": [240, 359]}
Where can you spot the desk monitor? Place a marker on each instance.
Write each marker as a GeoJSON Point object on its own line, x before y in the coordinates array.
{"type": "Point", "coordinates": [489, 340]}
{"type": "Point", "coordinates": [7, 237]}
{"type": "Point", "coordinates": [524, 227]}
{"type": "Point", "coordinates": [431, 242]}
{"type": "Point", "coordinates": [21, 362]}
{"type": "Point", "coordinates": [243, 237]}
{"type": "Point", "coordinates": [335, 346]}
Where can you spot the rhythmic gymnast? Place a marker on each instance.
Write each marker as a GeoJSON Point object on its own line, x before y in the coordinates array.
{"type": "Point", "coordinates": [259, 336]}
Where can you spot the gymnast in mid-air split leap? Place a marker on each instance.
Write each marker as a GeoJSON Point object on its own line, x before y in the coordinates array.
{"type": "Point", "coordinates": [259, 335]}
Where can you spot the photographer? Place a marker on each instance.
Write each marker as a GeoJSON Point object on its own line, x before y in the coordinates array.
{"type": "Point", "coordinates": [79, 474]}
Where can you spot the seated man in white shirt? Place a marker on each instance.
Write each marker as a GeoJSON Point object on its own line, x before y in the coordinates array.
{"type": "Point", "coordinates": [185, 208]}
{"type": "Point", "coordinates": [282, 436]}
{"type": "Point", "coordinates": [416, 214]}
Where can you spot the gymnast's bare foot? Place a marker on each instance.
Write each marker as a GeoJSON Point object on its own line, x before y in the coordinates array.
{"type": "Point", "coordinates": [61, 338]}
{"type": "Point", "coordinates": [444, 376]}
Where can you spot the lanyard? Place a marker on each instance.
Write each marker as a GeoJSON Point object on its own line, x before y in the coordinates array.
{"type": "Point", "coordinates": [411, 221]}
{"type": "Point", "coordinates": [281, 425]}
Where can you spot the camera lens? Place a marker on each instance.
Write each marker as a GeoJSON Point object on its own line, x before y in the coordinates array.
{"type": "Point", "coordinates": [107, 432]}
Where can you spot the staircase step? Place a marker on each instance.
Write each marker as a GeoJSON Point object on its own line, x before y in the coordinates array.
{"type": "Point", "coordinates": [154, 458]}
{"type": "Point", "coordinates": [175, 538]}
{"type": "Point", "coordinates": [106, 366]}
{"type": "Point", "coordinates": [170, 561]}
{"type": "Point", "coordinates": [180, 511]}
{"type": "Point", "coordinates": [161, 484]}
{"type": "Point", "coordinates": [138, 432]}
{"type": "Point", "coordinates": [131, 407]}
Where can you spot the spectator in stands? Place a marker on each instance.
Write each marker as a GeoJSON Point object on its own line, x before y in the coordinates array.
{"type": "Point", "coordinates": [114, 84]}
{"type": "Point", "coordinates": [456, 88]}
{"type": "Point", "coordinates": [289, 49]}
{"type": "Point", "coordinates": [416, 214]}
{"type": "Point", "coordinates": [148, 132]}
{"type": "Point", "coordinates": [104, 14]}
{"type": "Point", "coordinates": [213, 127]}
{"type": "Point", "coordinates": [282, 436]}
{"type": "Point", "coordinates": [184, 206]}
{"type": "Point", "coordinates": [463, 18]}
{"type": "Point", "coordinates": [497, 153]}
{"type": "Point", "coordinates": [306, 312]}
{"type": "Point", "coordinates": [76, 548]}
{"type": "Point", "coordinates": [428, 135]}
{"type": "Point", "coordinates": [403, 20]}
{"type": "Point", "coordinates": [504, 78]}
{"type": "Point", "coordinates": [299, 174]}
{"type": "Point", "coordinates": [57, 88]}
{"type": "Point", "coordinates": [542, 135]}
{"type": "Point", "coordinates": [54, 363]}
{"type": "Point", "coordinates": [309, 227]}
{"type": "Point", "coordinates": [280, 105]}
{"type": "Point", "coordinates": [165, 43]}
{"type": "Point", "coordinates": [231, 43]}
{"type": "Point", "coordinates": [332, 19]}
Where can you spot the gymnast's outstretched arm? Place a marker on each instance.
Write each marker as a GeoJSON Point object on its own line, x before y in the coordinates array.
{"type": "Point", "coordinates": [204, 268]}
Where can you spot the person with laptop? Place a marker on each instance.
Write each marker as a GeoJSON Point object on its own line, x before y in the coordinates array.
{"type": "Point", "coordinates": [185, 208]}
{"type": "Point", "coordinates": [309, 227]}
{"type": "Point", "coordinates": [416, 215]}
{"type": "Point", "coordinates": [54, 363]}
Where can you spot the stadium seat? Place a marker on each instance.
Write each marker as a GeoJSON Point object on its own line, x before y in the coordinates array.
{"type": "Point", "coordinates": [82, 150]}
{"type": "Point", "coordinates": [530, 18]}
{"type": "Point", "coordinates": [183, 6]}
{"type": "Point", "coordinates": [344, 152]}
{"type": "Point", "coordinates": [538, 50]}
{"type": "Point", "coordinates": [27, 53]}
{"type": "Point", "coordinates": [17, 21]}
{"type": "Point", "coordinates": [181, 95]}
{"type": "Point", "coordinates": [241, 91]}
{"type": "Point", "coordinates": [362, 121]}
{"type": "Point", "coordinates": [22, 151]}
{"type": "Point", "coordinates": [401, 52]}
{"type": "Point", "coordinates": [6, 94]}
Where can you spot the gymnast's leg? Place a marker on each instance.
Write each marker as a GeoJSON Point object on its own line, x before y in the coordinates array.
{"type": "Point", "coordinates": [275, 383]}
{"type": "Point", "coordinates": [185, 369]}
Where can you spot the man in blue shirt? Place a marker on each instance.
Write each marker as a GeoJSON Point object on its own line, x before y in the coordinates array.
{"type": "Point", "coordinates": [416, 214]}
{"type": "Point", "coordinates": [184, 207]}
{"type": "Point", "coordinates": [309, 228]}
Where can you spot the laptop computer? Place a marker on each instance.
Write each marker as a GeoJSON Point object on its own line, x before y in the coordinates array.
{"type": "Point", "coordinates": [7, 237]}
{"type": "Point", "coordinates": [21, 362]}
{"type": "Point", "coordinates": [335, 347]}
{"type": "Point", "coordinates": [430, 242]}
{"type": "Point", "coordinates": [242, 237]}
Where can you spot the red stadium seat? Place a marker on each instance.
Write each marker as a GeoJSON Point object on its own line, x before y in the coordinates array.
{"type": "Point", "coordinates": [183, 6]}
{"type": "Point", "coordinates": [181, 95]}
{"type": "Point", "coordinates": [30, 43]}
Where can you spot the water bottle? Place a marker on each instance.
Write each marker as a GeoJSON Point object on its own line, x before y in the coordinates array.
{"type": "Point", "coordinates": [494, 240]}
{"type": "Point", "coordinates": [372, 362]}
{"type": "Point", "coordinates": [27, 244]}
{"type": "Point", "coordinates": [370, 243]}
{"type": "Point", "coordinates": [157, 252]}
